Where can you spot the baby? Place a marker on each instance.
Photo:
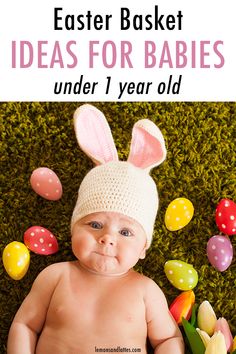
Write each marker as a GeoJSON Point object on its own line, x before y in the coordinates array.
{"type": "Point", "coordinates": [98, 303]}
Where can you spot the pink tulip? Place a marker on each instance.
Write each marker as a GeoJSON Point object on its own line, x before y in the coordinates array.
{"type": "Point", "coordinates": [223, 326]}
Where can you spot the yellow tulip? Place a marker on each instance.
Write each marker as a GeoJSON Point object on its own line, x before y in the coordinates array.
{"type": "Point", "coordinates": [216, 344]}
{"type": "Point", "coordinates": [204, 336]}
{"type": "Point", "coordinates": [206, 318]}
{"type": "Point", "coordinates": [234, 345]}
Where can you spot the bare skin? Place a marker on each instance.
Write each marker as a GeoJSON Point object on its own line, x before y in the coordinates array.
{"type": "Point", "coordinates": [98, 301]}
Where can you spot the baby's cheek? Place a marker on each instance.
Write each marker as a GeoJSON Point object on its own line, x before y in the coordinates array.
{"type": "Point", "coordinates": [80, 246]}
{"type": "Point", "coordinates": [129, 257]}
{"type": "Point", "coordinates": [76, 245]}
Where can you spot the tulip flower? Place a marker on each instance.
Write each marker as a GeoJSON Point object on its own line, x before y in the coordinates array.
{"type": "Point", "coordinates": [204, 336]}
{"type": "Point", "coordinates": [182, 306]}
{"type": "Point", "coordinates": [234, 345]}
{"type": "Point", "coordinates": [223, 326]}
{"type": "Point", "coordinates": [206, 318]}
{"type": "Point", "coordinates": [216, 344]}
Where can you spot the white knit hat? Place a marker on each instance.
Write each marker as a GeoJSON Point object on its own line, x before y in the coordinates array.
{"type": "Point", "coordinates": [118, 186]}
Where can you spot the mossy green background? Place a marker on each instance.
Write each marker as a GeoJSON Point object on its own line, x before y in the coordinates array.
{"type": "Point", "coordinates": [200, 165]}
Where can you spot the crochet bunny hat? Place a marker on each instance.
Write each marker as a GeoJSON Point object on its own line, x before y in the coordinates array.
{"type": "Point", "coordinates": [118, 186]}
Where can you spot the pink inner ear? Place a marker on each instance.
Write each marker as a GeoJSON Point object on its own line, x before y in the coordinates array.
{"type": "Point", "coordinates": [146, 150]}
{"type": "Point", "coordinates": [95, 137]}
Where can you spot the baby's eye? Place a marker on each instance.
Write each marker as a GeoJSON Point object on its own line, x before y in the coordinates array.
{"type": "Point", "coordinates": [95, 225]}
{"type": "Point", "coordinates": [125, 232]}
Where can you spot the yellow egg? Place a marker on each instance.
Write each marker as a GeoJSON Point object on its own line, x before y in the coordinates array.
{"type": "Point", "coordinates": [16, 259]}
{"type": "Point", "coordinates": [178, 214]}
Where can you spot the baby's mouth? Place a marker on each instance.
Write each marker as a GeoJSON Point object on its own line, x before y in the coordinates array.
{"type": "Point", "coordinates": [104, 254]}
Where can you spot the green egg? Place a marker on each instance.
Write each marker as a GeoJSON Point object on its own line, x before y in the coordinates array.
{"type": "Point", "coordinates": [181, 275]}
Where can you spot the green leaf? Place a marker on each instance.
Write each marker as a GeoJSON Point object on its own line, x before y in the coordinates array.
{"type": "Point", "coordinates": [193, 319]}
{"type": "Point", "coordinates": [194, 339]}
{"type": "Point", "coordinates": [234, 352]}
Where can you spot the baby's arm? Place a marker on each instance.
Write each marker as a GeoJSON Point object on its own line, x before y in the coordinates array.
{"type": "Point", "coordinates": [30, 318]}
{"type": "Point", "coordinates": [163, 332]}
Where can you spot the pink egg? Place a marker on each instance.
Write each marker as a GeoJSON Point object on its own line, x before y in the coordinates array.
{"type": "Point", "coordinates": [40, 240]}
{"type": "Point", "coordinates": [46, 183]}
{"type": "Point", "coordinates": [220, 252]}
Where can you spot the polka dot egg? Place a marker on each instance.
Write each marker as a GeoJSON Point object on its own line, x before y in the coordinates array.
{"type": "Point", "coordinates": [181, 275]}
{"type": "Point", "coordinates": [226, 216]}
{"type": "Point", "coordinates": [178, 214]}
{"type": "Point", "coordinates": [220, 252]}
{"type": "Point", "coordinates": [16, 260]}
{"type": "Point", "coordinates": [40, 240]}
{"type": "Point", "coordinates": [46, 183]}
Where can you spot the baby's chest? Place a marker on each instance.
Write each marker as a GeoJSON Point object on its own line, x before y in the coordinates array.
{"type": "Point", "coordinates": [87, 307]}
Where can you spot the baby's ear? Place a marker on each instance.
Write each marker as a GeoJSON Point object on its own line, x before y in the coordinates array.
{"type": "Point", "coordinates": [94, 135]}
{"type": "Point", "coordinates": [143, 253]}
{"type": "Point", "coordinates": [147, 148]}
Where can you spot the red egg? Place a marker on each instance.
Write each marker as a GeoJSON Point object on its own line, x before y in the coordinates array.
{"type": "Point", "coordinates": [46, 183]}
{"type": "Point", "coordinates": [40, 240]}
{"type": "Point", "coordinates": [226, 216]}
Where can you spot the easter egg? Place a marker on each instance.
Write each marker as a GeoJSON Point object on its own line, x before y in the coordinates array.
{"type": "Point", "coordinates": [16, 260]}
{"type": "Point", "coordinates": [226, 216]}
{"type": "Point", "coordinates": [178, 214]}
{"type": "Point", "coordinates": [181, 274]}
{"type": "Point", "coordinates": [220, 252]}
{"type": "Point", "coordinates": [46, 183]}
{"type": "Point", "coordinates": [40, 240]}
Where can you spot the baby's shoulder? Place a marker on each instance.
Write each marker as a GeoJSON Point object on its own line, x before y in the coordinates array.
{"type": "Point", "coordinates": [55, 270]}
{"type": "Point", "coordinates": [149, 286]}
{"type": "Point", "coordinates": [144, 280]}
{"type": "Point", "coordinates": [49, 277]}
{"type": "Point", "coordinates": [57, 266]}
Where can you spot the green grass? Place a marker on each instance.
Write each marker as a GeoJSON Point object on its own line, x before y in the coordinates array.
{"type": "Point", "coordinates": [200, 165]}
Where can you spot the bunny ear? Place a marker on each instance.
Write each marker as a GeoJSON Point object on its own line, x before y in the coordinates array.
{"type": "Point", "coordinates": [94, 135]}
{"type": "Point", "coordinates": [147, 145]}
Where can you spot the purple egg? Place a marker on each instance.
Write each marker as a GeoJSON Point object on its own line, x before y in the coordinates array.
{"type": "Point", "coordinates": [220, 252]}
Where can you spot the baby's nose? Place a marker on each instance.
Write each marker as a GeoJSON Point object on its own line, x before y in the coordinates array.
{"type": "Point", "coordinates": [107, 239]}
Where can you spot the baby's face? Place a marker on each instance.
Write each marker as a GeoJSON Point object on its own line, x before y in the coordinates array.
{"type": "Point", "coordinates": [108, 243]}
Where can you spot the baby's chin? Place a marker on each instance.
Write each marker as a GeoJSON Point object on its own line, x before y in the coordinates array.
{"type": "Point", "coordinates": [107, 266]}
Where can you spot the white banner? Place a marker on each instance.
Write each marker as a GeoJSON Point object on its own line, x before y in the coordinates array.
{"type": "Point", "coordinates": [117, 51]}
